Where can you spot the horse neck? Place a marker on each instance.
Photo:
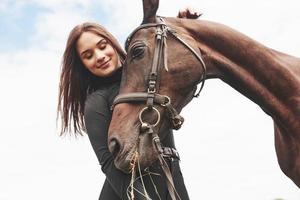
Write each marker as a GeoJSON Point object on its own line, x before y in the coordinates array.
{"type": "Point", "coordinates": [267, 77]}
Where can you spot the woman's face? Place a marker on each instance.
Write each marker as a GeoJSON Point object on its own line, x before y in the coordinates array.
{"type": "Point", "coordinates": [97, 54]}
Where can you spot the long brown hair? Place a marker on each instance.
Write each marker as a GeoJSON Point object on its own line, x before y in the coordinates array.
{"type": "Point", "coordinates": [76, 81]}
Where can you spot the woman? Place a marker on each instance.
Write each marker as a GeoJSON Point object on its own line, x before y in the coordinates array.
{"type": "Point", "coordinates": [90, 78]}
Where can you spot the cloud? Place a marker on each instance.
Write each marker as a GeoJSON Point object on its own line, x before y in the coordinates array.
{"type": "Point", "coordinates": [30, 72]}
{"type": "Point", "coordinates": [29, 82]}
{"type": "Point", "coordinates": [52, 28]}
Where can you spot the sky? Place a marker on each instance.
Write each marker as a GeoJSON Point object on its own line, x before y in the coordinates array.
{"type": "Point", "coordinates": [226, 143]}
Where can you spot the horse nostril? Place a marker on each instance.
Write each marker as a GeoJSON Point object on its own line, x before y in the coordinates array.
{"type": "Point", "coordinates": [114, 146]}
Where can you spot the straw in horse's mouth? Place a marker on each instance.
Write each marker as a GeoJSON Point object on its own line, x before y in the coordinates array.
{"type": "Point", "coordinates": [134, 157]}
{"type": "Point", "coordinates": [133, 160]}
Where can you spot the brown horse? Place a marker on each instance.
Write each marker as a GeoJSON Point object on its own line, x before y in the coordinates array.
{"type": "Point", "coordinates": [168, 57]}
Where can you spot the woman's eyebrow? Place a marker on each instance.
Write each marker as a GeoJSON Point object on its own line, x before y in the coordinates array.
{"type": "Point", "coordinates": [99, 42]}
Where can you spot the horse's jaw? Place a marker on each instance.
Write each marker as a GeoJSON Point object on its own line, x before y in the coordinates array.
{"type": "Point", "coordinates": [140, 152]}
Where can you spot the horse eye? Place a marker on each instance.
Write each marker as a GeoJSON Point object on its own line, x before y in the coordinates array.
{"type": "Point", "coordinates": [137, 51]}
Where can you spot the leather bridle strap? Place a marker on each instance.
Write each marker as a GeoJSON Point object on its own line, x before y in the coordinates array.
{"type": "Point", "coordinates": [136, 97]}
{"type": "Point", "coordinates": [173, 33]}
{"type": "Point", "coordinates": [151, 97]}
{"type": "Point", "coordinates": [153, 77]}
{"type": "Point", "coordinates": [202, 80]}
{"type": "Point", "coordinates": [139, 28]}
{"type": "Point", "coordinates": [164, 165]}
{"type": "Point", "coordinates": [161, 100]}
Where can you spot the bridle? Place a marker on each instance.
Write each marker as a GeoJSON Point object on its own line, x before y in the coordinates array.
{"type": "Point", "coordinates": [151, 96]}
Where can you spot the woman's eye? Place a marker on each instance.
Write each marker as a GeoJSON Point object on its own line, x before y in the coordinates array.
{"type": "Point", "coordinates": [88, 56]}
{"type": "Point", "coordinates": [102, 46]}
{"type": "Point", "coordinates": [137, 51]}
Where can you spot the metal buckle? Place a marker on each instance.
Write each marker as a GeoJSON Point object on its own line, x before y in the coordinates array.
{"type": "Point", "coordinates": [168, 101]}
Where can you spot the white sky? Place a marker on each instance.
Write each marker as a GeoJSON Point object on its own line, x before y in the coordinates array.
{"type": "Point", "coordinates": [226, 143]}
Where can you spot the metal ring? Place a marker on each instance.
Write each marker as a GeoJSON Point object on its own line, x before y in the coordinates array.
{"type": "Point", "coordinates": [167, 102]}
{"type": "Point", "coordinates": [146, 108]}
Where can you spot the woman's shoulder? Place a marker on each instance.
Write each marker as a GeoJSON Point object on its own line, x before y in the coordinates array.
{"type": "Point", "coordinates": [102, 98]}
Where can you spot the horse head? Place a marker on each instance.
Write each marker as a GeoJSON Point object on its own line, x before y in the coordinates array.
{"type": "Point", "coordinates": [159, 78]}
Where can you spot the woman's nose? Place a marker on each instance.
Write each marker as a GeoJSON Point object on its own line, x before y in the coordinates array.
{"type": "Point", "coordinates": [100, 56]}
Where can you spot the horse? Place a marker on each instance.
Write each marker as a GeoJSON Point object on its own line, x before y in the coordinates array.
{"type": "Point", "coordinates": [168, 57]}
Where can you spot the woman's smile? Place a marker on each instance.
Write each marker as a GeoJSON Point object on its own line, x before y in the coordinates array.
{"type": "Point", "coordinates": [104, 65]}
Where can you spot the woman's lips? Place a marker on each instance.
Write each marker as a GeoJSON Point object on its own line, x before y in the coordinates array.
{"type": "Point", "coordinates": [104, 65]}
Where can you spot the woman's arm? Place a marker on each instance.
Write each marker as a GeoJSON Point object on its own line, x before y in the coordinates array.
{"type": "Point", "coordinates": [97, 118]}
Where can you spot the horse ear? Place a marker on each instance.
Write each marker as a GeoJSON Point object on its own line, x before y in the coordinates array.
{"type": "Point", "coordinates": [150, 7]}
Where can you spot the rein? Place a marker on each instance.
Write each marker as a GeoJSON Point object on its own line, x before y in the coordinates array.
{"type": "Point", "coordinates": [152, 97]}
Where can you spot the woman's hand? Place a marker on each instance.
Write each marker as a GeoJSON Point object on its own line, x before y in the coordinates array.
{"type": "Point", "coordinates": [188, 13]}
